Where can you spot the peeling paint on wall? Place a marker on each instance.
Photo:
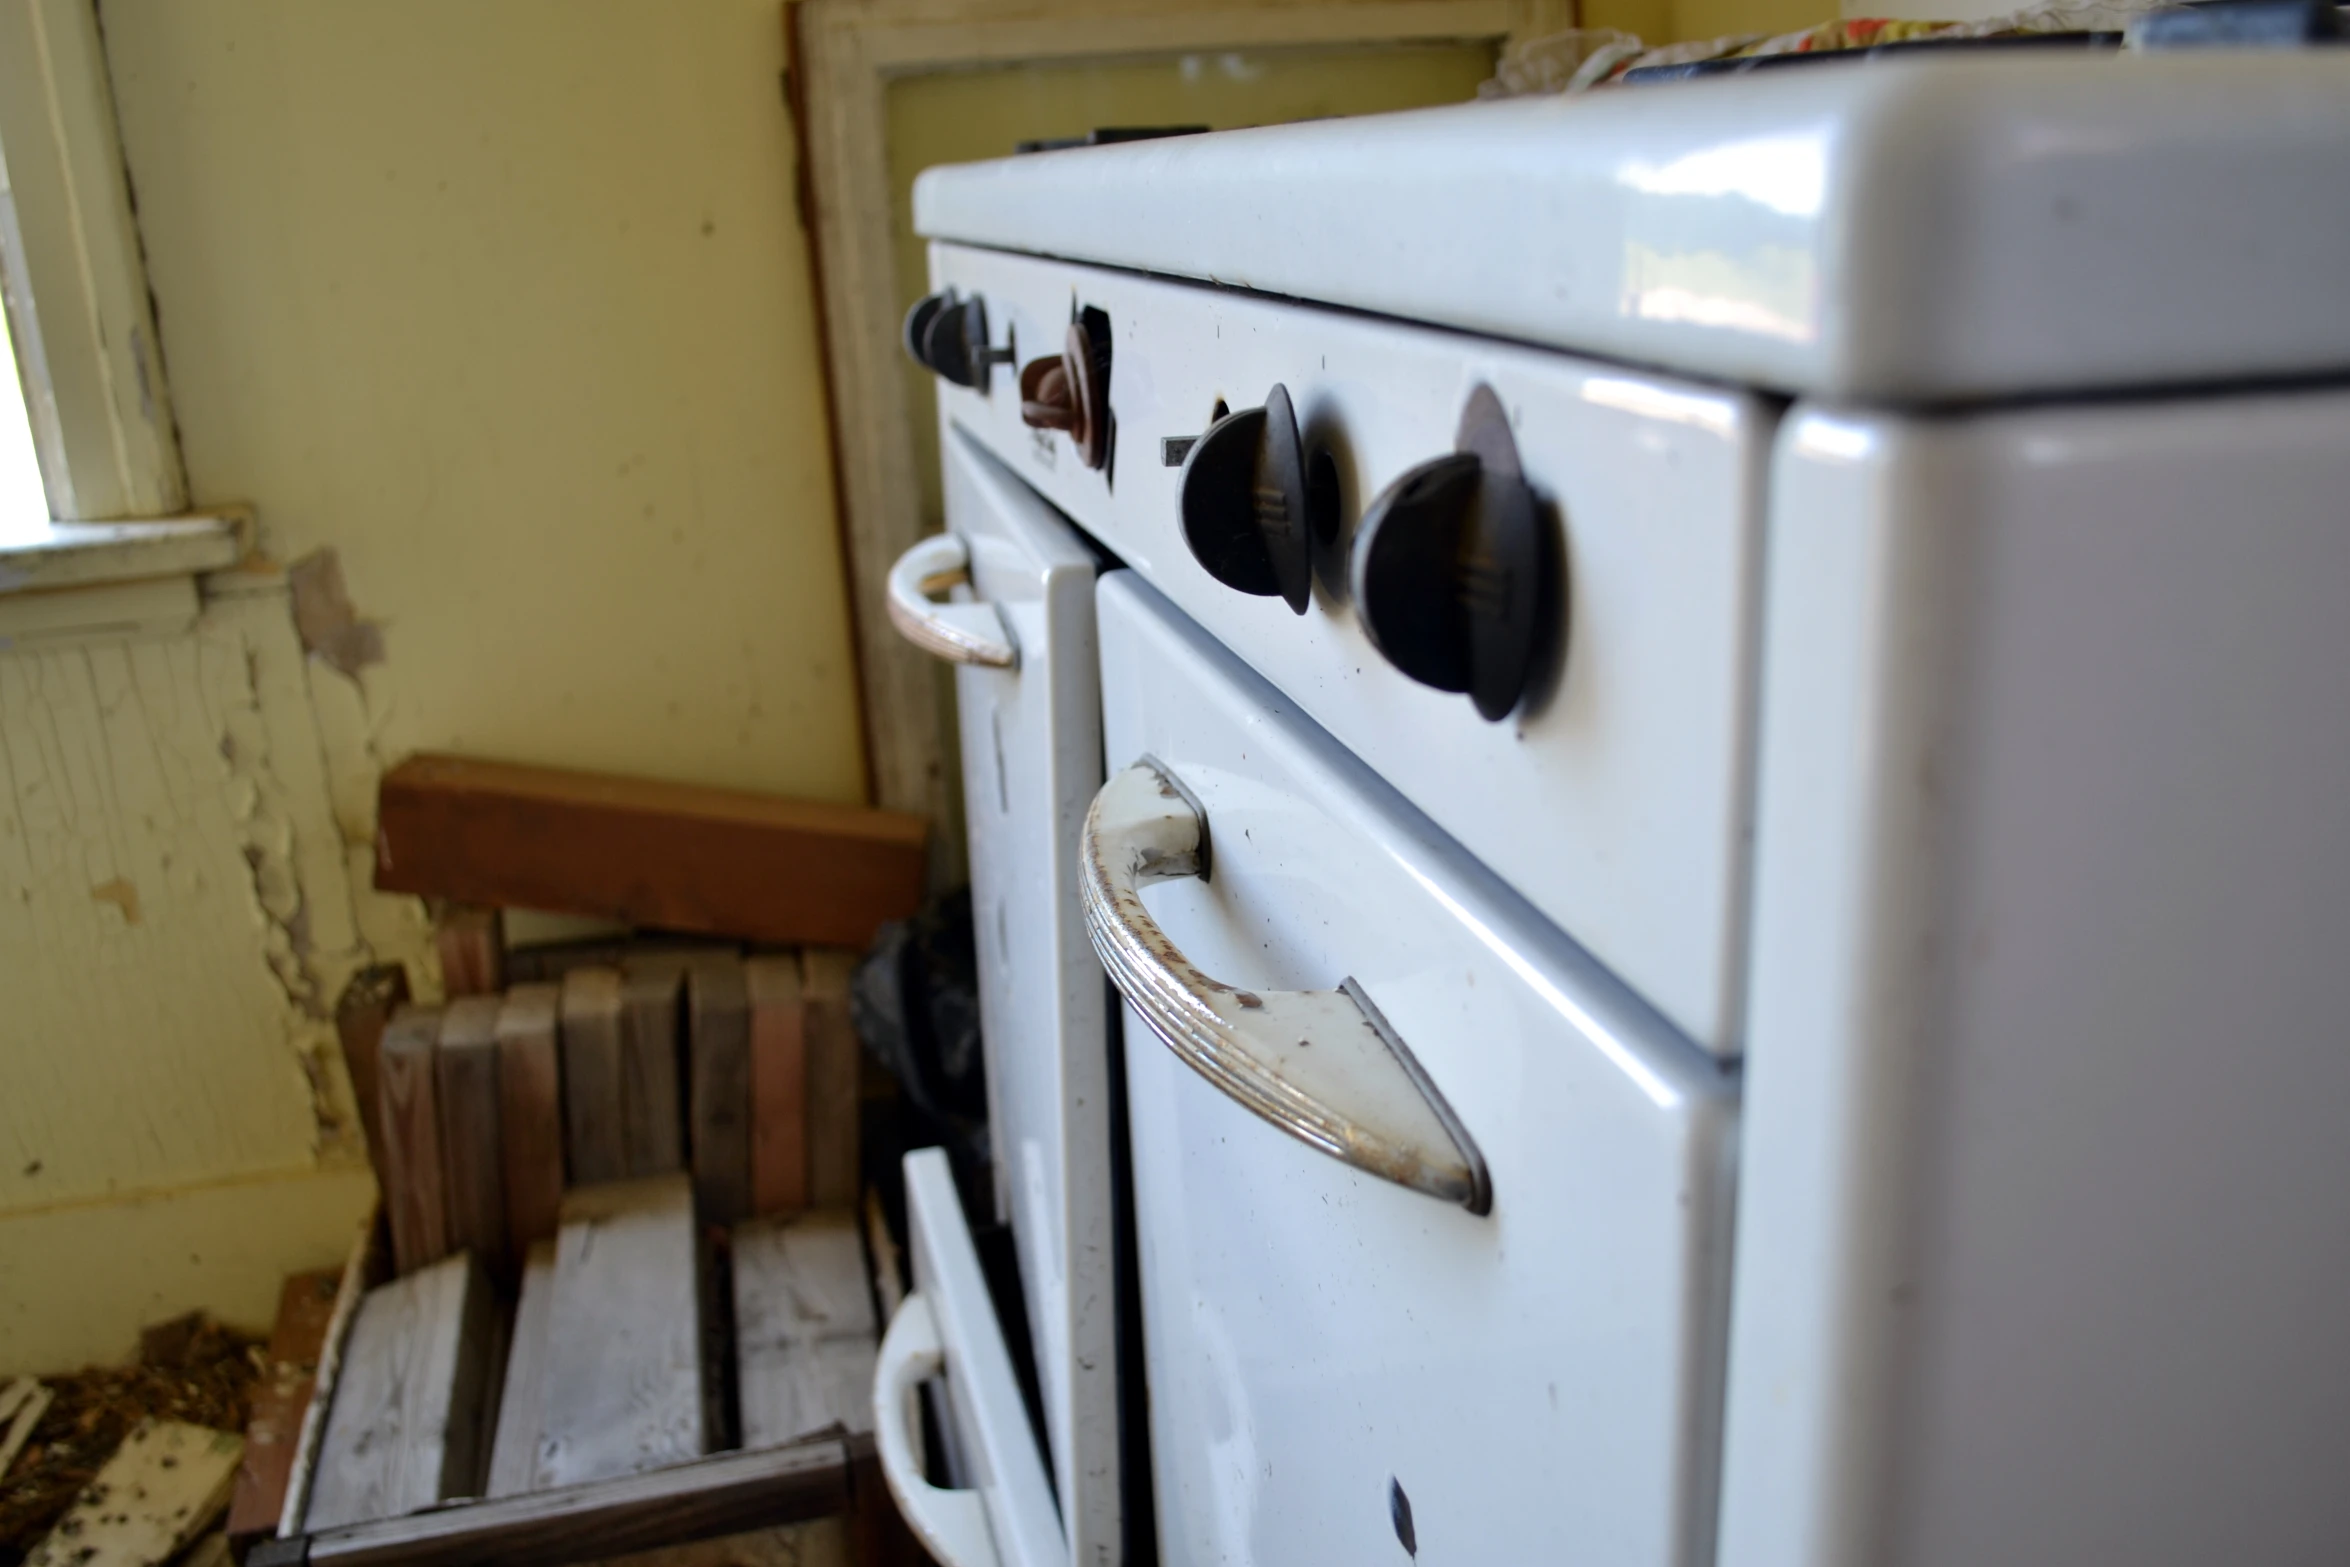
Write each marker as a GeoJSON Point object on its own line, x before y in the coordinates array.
{"type": "Point", "coordinates": [178, 906]}
{"type": "Point", "coordinates": [326, 618]}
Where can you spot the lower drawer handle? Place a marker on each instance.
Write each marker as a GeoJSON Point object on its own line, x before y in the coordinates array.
{"type": "Point", "coordinates": [958, 633]}
{"type": "Point", "coordinates": [1322, 1065]}
{"type": "Point", "coordinates": [952, 1525]}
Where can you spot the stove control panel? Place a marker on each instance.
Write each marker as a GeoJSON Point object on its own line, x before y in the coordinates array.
{"type": "Point", "coordinates": [1517, 584]}
{"type": "Point", "coordinates": [1452, 571]}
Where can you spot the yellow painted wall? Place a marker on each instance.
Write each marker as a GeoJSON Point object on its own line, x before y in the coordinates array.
{"type": "Point", "coordinates": [961, 116]}
{"type": "Point", "coordinates": [78, 1282]}
{"type": "Point", "coordinates": [507, 301]}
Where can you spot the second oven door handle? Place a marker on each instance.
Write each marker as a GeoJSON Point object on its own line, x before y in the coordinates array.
{"type": "Point", "coordinates": [1322, 1065]}
{"type": "Point", "coordinates": [951, 1524]}
{"type": "Point", "coordinates": [958, 633]}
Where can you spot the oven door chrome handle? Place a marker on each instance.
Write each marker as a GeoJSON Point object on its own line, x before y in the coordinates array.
{"type": "Point", "coordinates": [958, 633]}
{"type": "Point", "coordinates": [1322, 1065]}
{"type": "Point", "coordinates": [952, 1525]}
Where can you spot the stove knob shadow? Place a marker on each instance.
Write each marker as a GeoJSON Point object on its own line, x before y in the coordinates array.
{"type": "Point", "coordinates": [1455, 572]}
{"type": "Point", "coordinates": [1072, 392]}
{"type": "Point", "coordinates": [1252, 505]}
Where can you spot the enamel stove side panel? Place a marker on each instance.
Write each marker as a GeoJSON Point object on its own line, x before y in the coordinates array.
{"type": "Point", "coordinates": [1330, 1354]}
{"type": "Point", "coordinates": [1615, 798]}
{"type": "Point", "coordinates": [1031, 739]}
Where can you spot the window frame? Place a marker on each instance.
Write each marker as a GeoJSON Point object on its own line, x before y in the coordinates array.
{"type": "Point", "coordinates": [74, 279]}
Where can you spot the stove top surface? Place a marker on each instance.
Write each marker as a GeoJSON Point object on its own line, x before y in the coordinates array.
{"type": "Point", "coordinates": [1907, 229]}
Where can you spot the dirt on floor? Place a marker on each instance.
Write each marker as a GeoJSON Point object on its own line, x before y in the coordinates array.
{"type": "Point", "coordinates": [191, 1369]}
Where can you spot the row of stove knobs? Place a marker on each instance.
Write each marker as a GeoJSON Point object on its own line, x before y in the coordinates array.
{"type": "Point", "coordinates": [1454, 569]}
{"type": "Point", "coordinates": [1068, 391]}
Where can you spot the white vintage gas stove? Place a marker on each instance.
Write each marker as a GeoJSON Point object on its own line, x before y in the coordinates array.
{"type": "Point", "coordinates": [1706, 732]}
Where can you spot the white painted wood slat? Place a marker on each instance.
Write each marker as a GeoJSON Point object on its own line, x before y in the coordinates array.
{"type": "Point", "coordinates": [621, 1390]}
{"type": "Point", "coordinates": [406, 1429]}
{"type": "Point", "coordinates": [804, 1329]}
{"type": "Point", "coordinates": [161, 1488]}
{"type": "Point", "coordinates": [514, 1453]}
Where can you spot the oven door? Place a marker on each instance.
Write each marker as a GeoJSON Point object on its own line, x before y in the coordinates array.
{"type": "Point", "coordinates": [1346, 1357]}
{"type": "Point", "coordinates": [946, 1334]}
{"type": "Point", "coordinates": [1018, 624]}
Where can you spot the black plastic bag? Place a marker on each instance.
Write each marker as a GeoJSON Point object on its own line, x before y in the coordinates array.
{"type": "Point", "coordinates": [915, 1002]}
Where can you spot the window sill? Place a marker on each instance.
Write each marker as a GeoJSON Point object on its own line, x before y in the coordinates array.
{"type": "Point", "coordinates": [86, 554]}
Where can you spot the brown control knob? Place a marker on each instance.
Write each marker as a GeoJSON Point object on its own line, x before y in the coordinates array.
{"type": "Point", "coordinates": [1072, 392]}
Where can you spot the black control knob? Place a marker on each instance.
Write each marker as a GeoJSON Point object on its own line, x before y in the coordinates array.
{"type": "Point", "coordinates": [1453, 568]}
{"type": "Point", "coordinates": [916, 331]}
{"type": "Point", "coordinates": [1245, 502]}
{"type": "Point", "coordinates": [949, 336]}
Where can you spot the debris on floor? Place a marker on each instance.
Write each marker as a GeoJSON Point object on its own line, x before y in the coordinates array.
{"type": "Point", "coordinates": [164, 1486]}
{"type": "Point", "coordinates": [191, 1370]}
{"type": "Point", "coordinates": [22, 1403]}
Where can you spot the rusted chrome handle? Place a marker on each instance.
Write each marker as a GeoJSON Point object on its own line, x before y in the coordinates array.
{"type": "Point", "coordinates": [958, 633]}
{"type": "Point", "coordinates": [1322, 1065]}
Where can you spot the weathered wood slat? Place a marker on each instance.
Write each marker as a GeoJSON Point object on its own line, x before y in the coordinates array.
{"type": "Point", "coordinates": [889, 1276]}
{"type": "Point", "coordinates": [365, 1007]}
{"type": "Point", "coordinates": [530, 1113]}
{"type": "Point", "coordinates": [815, 1542]}
{"type": "Point", "coordinates": [472, 946]}
{"type": "Point", "coordinates": [367, 1263]}
{"type": "Point", "coordinates": [779, 1085]}
{"type": "Point", "coordinates": [22, 1403]}
{"type": "Point", "coordinates": [725, 1494]}
{"type": "Point", "coordinates": [804, 1333]}
{"type": "Point", "coordinates": [413, 1198]}
{"type": "Point", "coordinates": [548, 964]}
{"type": "Point", "coordinates": [473, 1179]}
{"type": "Point", "coordinates": [622, 1390]}
{"type": "Point", "coordinates": [878, 1536]}
{"type": "Point", "coordinates": [718, 1039]}
{"type": "Point", "coordinates": [831, 1040]}
{"type": "Point", "coordinates": [652, 1122]}
{"type": "Point", "coordinates": [163, 1486]}
{"type": "Point", "coordinates": [514, 1453]}
{"type": "Point", "coordinates": [406, 1427]}
{"type": "Point", "coordinates": [592, 1076]}
{"type": "Point", "coordinates": [306, 1306]}
{"type": "Point", "coordinates": [670, 856]}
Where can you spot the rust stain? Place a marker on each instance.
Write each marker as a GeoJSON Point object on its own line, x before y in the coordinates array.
{"type": "Point", "coordinates": [122, 894]}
